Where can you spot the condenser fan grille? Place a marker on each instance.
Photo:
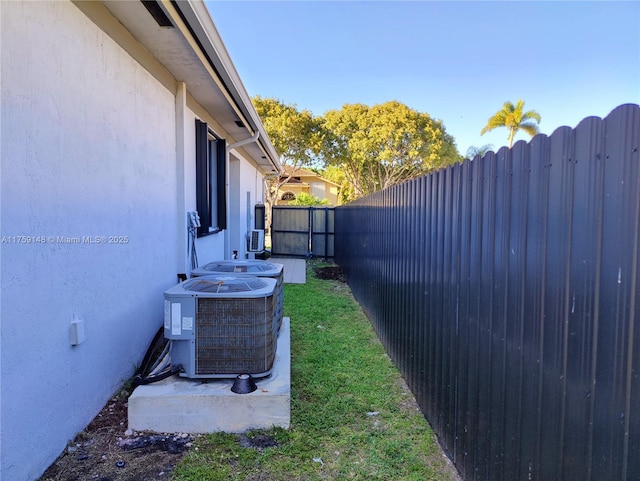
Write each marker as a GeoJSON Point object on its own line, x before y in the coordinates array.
{"type": "Point", "coordinates": [221, 285]}
{"type": "Point", "coordinates": [231, 267]}
{"type": "Point", "coordinates": [234, 336]}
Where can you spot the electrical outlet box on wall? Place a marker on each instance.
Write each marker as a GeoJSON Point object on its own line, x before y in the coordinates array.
{"type": "Point", "coordinates": [76, 332]}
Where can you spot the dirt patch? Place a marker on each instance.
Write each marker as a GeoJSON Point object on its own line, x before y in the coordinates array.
{"type": "Point", "coordinates": [330, 273]}
{"type": "Point", "coordinates": [257, 441]}
{"type": "Point", "coordinates": [107, 451]}
{"type": "Point", "coordinates": [408, 401]}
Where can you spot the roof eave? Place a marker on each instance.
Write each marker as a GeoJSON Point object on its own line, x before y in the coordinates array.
{"type": "Point", "coordinates": [197, 16]}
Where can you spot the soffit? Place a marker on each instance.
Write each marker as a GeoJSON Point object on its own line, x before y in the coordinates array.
{"type": "Point", "coordinates": [179, 52]}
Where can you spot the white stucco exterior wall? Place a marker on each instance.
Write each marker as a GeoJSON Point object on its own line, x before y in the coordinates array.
{"type": "Point", "coordinates": [88, 152]}
{"type": "Point", "coordinates": [211, 247]}
{"type": "Point", "coordinates": [318, 189]}
{"type": "Point", "coordinates": [97, 176]}
{"type": "Point", "coordinates": [245, 190]}
{"type": "Point", "coordinates": [242, 178]}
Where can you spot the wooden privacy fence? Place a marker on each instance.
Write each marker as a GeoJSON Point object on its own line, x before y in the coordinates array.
{"type": "Point", "coordinates": [506, 290]}
{"type": "Point", "coordinates": [302, 231]}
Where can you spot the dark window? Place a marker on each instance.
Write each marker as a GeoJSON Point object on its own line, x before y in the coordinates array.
{"type": "Point", "coordinates": [288, 196]}
{"type": "Point", "coordinates": [210, 180]}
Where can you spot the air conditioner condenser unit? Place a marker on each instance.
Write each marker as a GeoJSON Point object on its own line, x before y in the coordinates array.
{"type": "Point", "coordinates": [250, 267]}
{"type": "Point", "coordinates": [221, 326]}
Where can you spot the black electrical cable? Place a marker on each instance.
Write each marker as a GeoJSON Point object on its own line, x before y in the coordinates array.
{"type": "Point", "coordinates": [158, 340]}
{"type": "Point", "coordinates": [151, 360]}
{"type": "Point", "coordinates": [158, 377]}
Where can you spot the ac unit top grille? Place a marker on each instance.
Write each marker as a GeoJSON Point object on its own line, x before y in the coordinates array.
{"type": "Point", "coordinates": [219, 284]}
{"type": "Point", "coordinates": [240, 267]}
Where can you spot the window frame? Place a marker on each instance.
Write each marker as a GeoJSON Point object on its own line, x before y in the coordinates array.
{"type": "Point", "coordinates": [211, 195]}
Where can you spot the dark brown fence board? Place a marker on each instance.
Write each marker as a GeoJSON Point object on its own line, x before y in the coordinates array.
{"type": "Point", "coordinates": [506, 291]}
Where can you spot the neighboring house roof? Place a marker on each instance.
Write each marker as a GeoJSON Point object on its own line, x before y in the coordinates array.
{"type": "Point", "coordinates": [296, 181]}
{"type": "Point", "coordinates": [191, 50]}
{"type": "Point", "coordinates": [301, 176]}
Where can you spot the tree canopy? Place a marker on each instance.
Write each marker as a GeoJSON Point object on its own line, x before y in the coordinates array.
{"type": "Point", "coordinates": [296, 136]}
{"type": "Point", "coordinates": [335, 174]}
{"type": "Point", "coordinates": [514, 118]}
{"type": "Point", "coordinates": [385, 144]}
{"type": "Point", "coordinates": [363, 148]}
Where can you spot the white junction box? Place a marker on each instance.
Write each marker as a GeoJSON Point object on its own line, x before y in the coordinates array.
{"type": "Point", "coordinates": [76, 332]}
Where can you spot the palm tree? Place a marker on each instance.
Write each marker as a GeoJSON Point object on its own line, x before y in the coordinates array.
{"type": "Point", "coordinates": [472, 151]}
{"type": "Point", "coordinates": [514, 118]}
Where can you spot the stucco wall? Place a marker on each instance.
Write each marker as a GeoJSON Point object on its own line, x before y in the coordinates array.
{"type": "Point", "coordinates": [88, 150]}
{"type": "Point", "coordinates": [207, 247]}
{"type": "Point", "coordinates": [324, 190]}
{"type": "Point", "coordinates": [246, 189]}
{"type": "Point", "coordinates": [318, 189]}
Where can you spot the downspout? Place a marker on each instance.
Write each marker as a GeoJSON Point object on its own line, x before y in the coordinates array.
{"type": "Point", "coordinates": [240, 143]}
{"type": "Point", "coordinates": [274, 201]}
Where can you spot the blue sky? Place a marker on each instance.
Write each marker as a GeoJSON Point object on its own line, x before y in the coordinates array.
{"type": "Point", "coordinates": [459, 61]}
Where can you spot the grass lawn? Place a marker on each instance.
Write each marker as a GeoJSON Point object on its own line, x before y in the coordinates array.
{"type": "Point", "coordinates": [352, 416]}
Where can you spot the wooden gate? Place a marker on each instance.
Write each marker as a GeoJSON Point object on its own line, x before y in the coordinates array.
{"type": "Point", "coordinates": [302, 231]}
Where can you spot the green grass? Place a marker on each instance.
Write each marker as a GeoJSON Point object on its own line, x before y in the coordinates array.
{"type": "Point", "coordinates": [352, 417]}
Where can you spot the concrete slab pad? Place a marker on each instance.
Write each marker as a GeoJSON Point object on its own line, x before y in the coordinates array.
{"type": "Point", "coordinates": [180, 405]}
{"type": "Point", "coordinates": [295, 270]}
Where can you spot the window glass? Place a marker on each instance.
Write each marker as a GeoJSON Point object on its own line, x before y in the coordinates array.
{"type": "Point", "coordinates": [210, 180]}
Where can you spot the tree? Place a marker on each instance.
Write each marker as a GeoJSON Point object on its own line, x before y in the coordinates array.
{"type": "Point", "coordinates": [335, 174]}
{"type": "Point", "coordinates": [296, 136]}
{"type": "Point", "coordinates": [514, 118]}
{"type": "Point", "coordinates": [303, 198]}
{"type": "Point", "coordinates": [380, 146]}
{"type": "Point", "coordinates": [473, 150]}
